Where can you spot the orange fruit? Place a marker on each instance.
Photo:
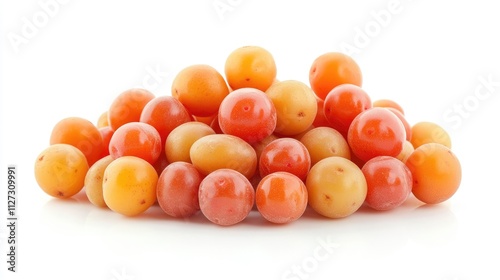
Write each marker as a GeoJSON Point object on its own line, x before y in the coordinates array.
{"type": "Point", "coordinates": [82, 134]}
{"type": "Point", "coordinates": [201, 89]}
{"type": "Point", "coordinates": [127, 107]}
{"type": "Point", "coordinates": [332, 69]}
{"type": "Point", "coordinates": [250, 66]}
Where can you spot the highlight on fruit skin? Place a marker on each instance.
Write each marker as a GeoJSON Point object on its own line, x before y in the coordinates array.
{"type": "Point", "coordinates": [281, 197]}
{"type": "Point", "coordinates": [226, 197]}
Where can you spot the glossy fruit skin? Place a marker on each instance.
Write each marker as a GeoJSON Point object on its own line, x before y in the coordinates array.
{"type": "Point", "coordinates": [136, 139]}
{"type": "Point", "coordinates": [343, 104]}
{"type": "Point", "coordinates": [127, 107]}
{"type": "Point", "coordinates": [332, 69]}
{"type": "Point", "coordinates": [436, 172]}
{"type": "Point", "coordinates": [226, 197]}
{"type": "Point", "coordinates": [295, 104]}
{"type": "Point", "coordinates": [60, 170]}
{"type": "Point", "coordinates": [221, 151]}
{"type": "Point", "coordinates": [250, 67]}
{"type": "Point", "coordinates": [403, 120]}
{"type": "Point", "coordinates": [180, 140]}
{"type": "Point", "coordinates": [323, 142]}
{"type": "Point", "coordinates": [285, 154]}
{"type": "Point", "coordinates": [376, 132]}
{"type": "Point", "coordinates": [164, 113]}
{"type": "Point", "coordinates": [281, 197]}
{"type": "Point", "coordinates": [177, 190]}
{"type": "Point", "coordinates": [94, 179]}
{"type": "Point", "coordinates": [249, 114]}
{"type": "Point", "coordinates": [129, 185]}
{"type": "Point", "coordinates": [389, 183]}
{"type": "Point", "coordinates": [261, 145]}
{"type": "Point", "coordinates": [80, 133]}
{"type": "Point", "coordinates": [201, 89]}
{"type": "Point", "coordinates": [429, 132]}
{"type": "Point", "coordinates": [336, 187]}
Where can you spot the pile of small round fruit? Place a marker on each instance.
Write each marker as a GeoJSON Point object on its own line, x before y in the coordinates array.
{"type": "Point", "coordinates": [222, 145]}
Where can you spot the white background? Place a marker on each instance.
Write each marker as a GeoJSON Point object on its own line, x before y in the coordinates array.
{"type": "Point", "coordinates": [430, 56]}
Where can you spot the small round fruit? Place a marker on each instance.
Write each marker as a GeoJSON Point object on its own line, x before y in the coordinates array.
{"type": "Point", "coordinates": [281, 197]}
{"type": "Point", "coordinates": [60, 170]}
{"type": "Point", "coordinates": [177, 190]}
{"type": "Point", "coordinates": [296, 106]}
{"type": "Point", "coordinates": [127, 107]}
{"type": "Point", "coordinates": [180, 140]}
{"type": "Point", "coordinates": [285, 154]}
{"type": "Point", "coordinates": [343, 104]}
{"type": "Point", "coordinates": [376, 132]}
{"type": "Point", "coordinates": [332, 69]}
{"type": "Point", "coordinates": [129, 185]}
{"type": "Point", "coordinates": [136, 139]}
{"type": "Point", "coordinates": [436, 173]}
{"type": "Point", "coordinates": [80, 133]}
{"type": "Point", "coordinates": [389, 182]}
{"type": "Point", "coordinates": [94, 179]}
{"type": "Point", "coordinates": [428, 132]}
{"type": "Point", "coordinates": [250, 66]}
{"type": "Point", "coordinates": [201, 89]}
{"type": "Point", "coordinates": [164, 113]}
{"type": "Point", "coordinates": [219, 151]}
{"type": "Point", "coordinates": [336, 187]}
{"type": "Point", "coordinates": [247, 113]}
{"type": "Point", "coordinates": [323, 142]}
{"type": "Point", "coordinates": [226, 197]}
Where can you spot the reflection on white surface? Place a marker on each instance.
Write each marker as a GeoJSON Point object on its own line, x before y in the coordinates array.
{"type": "Point", "coordinates": [289, 250]}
